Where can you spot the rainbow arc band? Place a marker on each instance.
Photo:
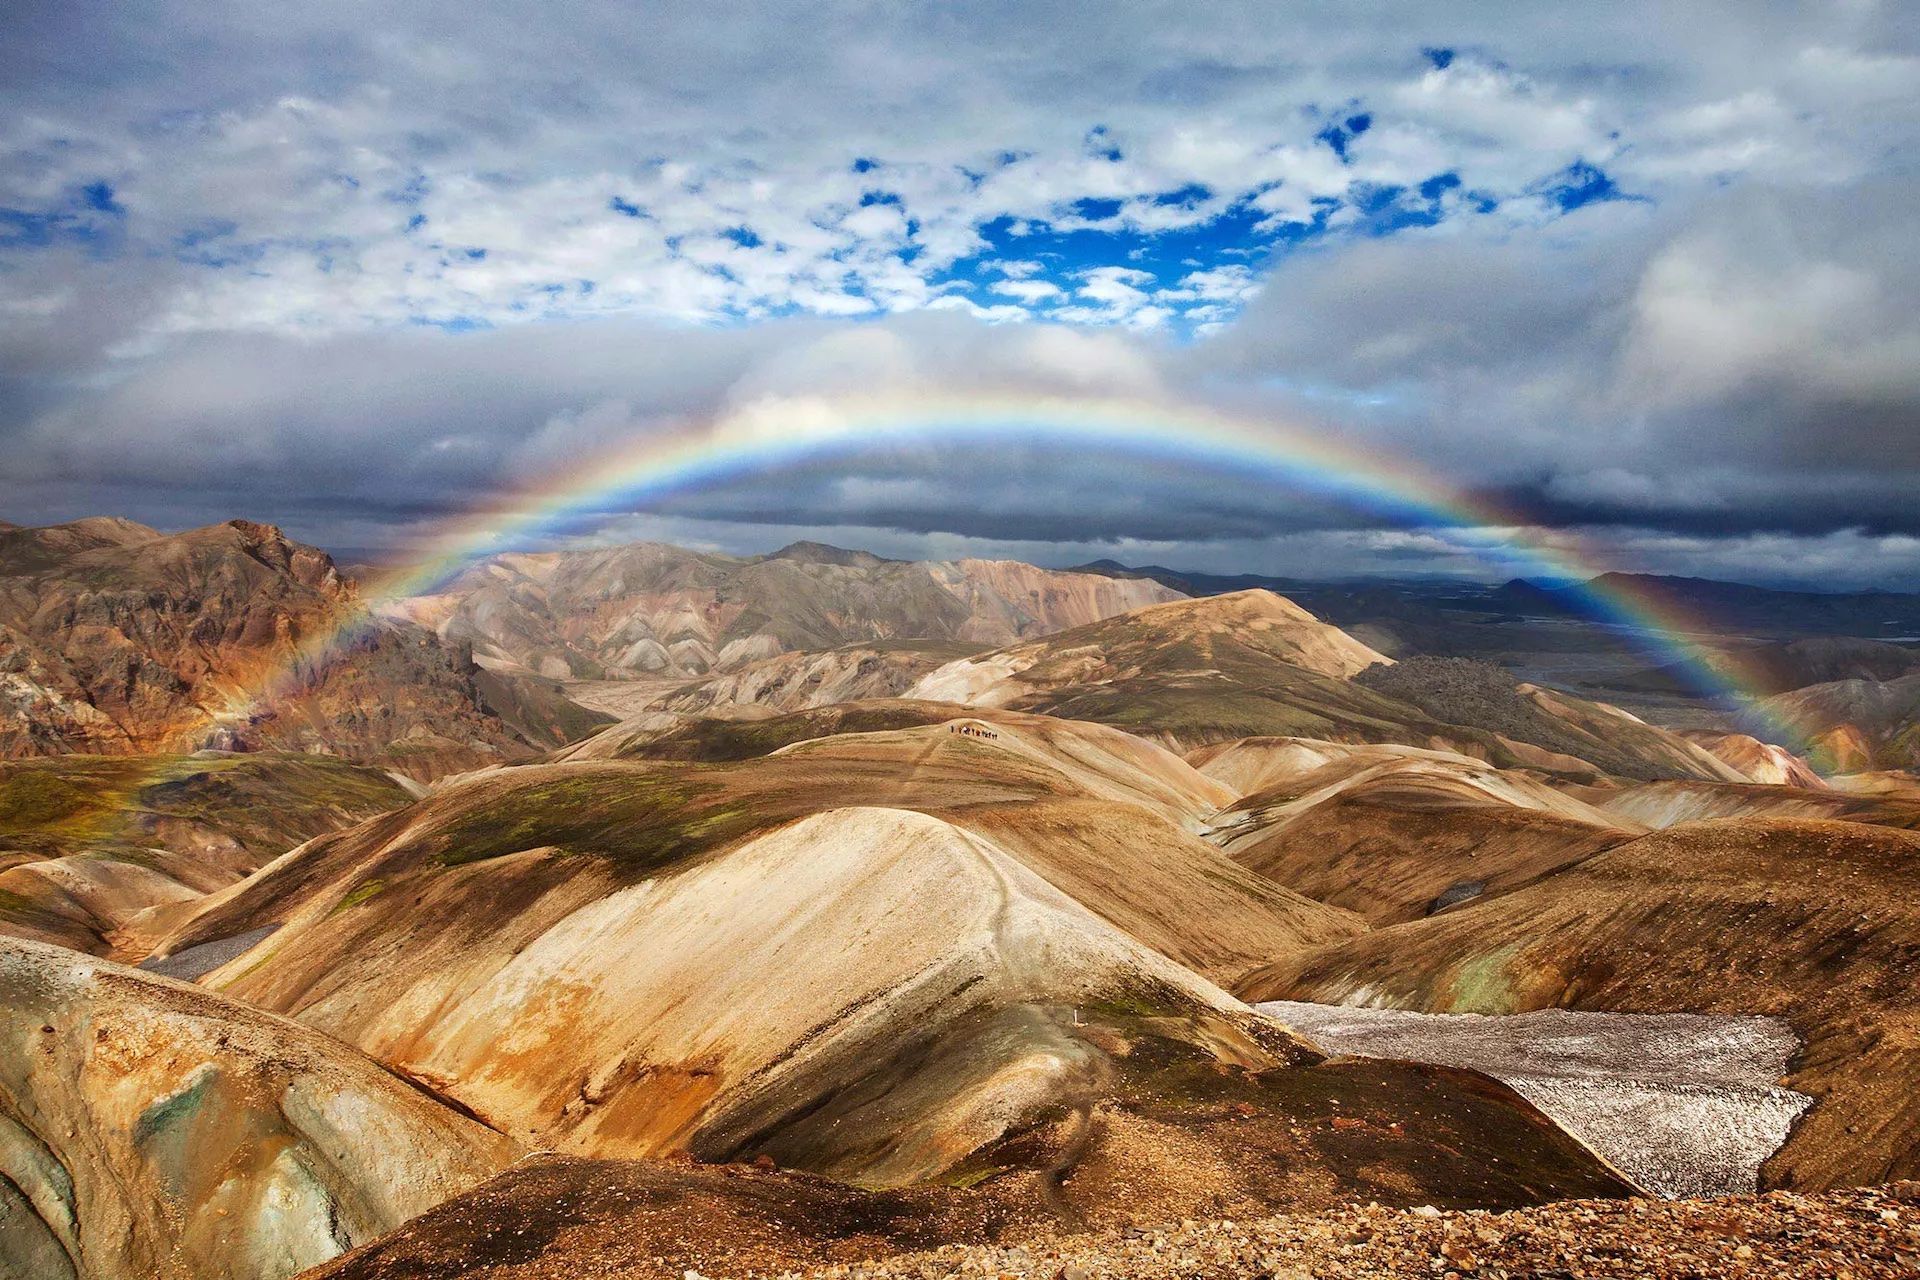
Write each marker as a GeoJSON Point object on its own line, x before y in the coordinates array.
{"type": "Point", "coordinates": [776, 433]}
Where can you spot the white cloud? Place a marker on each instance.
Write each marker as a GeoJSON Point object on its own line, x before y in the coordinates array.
{"type": "Point", "coordinates": [1028, 291]}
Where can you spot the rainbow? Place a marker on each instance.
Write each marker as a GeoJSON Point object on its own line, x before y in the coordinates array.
{"type": "Point", "coordinates": [783, 432]}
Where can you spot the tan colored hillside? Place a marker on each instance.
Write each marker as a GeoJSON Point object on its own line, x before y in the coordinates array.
{"type": "Point", "coordinates": [599, 958]}
{"type": "Point", "coordinates": [1192, 673]}
{"type": "Point", "coordinates": [648, 609]}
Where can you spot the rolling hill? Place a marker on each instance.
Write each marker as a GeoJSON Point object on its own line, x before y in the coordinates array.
{"type": "Point", "coordinates": [1002, 926]}
{"type": "Point", "coordinates": [1395, 834]}
{"type": "Point", "coordinates": [1853, 726]}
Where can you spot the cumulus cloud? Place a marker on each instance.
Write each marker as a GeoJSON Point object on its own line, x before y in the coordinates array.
{"type": "Point", "coordinates": [1638, 271]}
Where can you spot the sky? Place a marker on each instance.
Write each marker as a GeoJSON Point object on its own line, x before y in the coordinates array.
{"type": "Point", "coordinates": [1646, 274]}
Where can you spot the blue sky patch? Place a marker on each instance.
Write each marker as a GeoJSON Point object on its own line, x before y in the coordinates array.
{"type": "Point", "coordinates": [1581, 184]}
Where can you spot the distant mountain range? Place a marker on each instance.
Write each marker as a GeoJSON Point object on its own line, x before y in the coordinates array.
{"type": "Point", "coordinates": [1724, 606]}
{"type": "Point", "coordinates": [1732, 606]}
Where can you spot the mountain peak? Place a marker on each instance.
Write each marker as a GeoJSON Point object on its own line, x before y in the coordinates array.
{"type": "Point", "coordinates": [806, 552]}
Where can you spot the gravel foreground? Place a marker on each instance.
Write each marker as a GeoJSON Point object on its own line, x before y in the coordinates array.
{"type": "Point", "coordinates": [1846, 1235]}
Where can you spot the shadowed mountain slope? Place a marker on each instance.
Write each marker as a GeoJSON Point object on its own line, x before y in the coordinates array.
{"type": "Point", "coordinates": [153, 1129]}
{"type": "Point", "coordinates": [1463, 691]}
{"type": "Point", "coordinates": [1734, 606]}
{"type": "Point", "coordinates": [1795, 664]}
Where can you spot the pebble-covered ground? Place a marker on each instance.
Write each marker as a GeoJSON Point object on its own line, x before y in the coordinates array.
{"type": "Point", "coordinates": [1849, 1235]}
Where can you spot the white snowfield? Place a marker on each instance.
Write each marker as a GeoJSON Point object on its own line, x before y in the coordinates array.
{"type": "Point", "coordinates": [1683, 1104]}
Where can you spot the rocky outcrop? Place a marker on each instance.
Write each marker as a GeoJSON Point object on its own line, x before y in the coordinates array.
{"type": "Point", "coordinates": [127, 643]}
{"type": "Point", "coordinates": [149, 1129]}
{"type": "Point", "coordinates": [117, 639]}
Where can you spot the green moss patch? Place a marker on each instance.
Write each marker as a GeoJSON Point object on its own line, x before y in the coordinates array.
{"type": "Point", "coordinates": [638, 821]}
{"type": "Point", "coordinates": [361, 893]}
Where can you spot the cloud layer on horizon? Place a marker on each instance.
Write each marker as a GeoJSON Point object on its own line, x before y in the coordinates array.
{"type": "Point", "coordinates": [1650, 281]}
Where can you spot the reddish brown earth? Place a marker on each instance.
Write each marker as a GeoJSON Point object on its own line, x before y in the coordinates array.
{"type": "Point", "coordinates": [552, 1219]}
{"type": "Point", "coordinates": [118, 639]}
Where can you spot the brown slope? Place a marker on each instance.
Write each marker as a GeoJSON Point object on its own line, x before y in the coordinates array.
{"type": "Point", "coordinates": [1304, 1141]}
{"type": "Point", "coordinates": [89, 843]}
{"type": "Point", "coordinates": [653, 609]}
{"type": "Point", "coordinates": [1220, 633]}
{"type": "Point", "coordinates": [149, 1129]}
{"type": "Point", "coordinates": [1249, 765]}
{"type": "Point", "coordinates": [804, 679]}
{"type": "Point", "coordinates": [1184, 673]}
{"type": "Point", "coordinates": [1813, 922]}
{"type": "Point", "coordinates": [742, 734]}
{"type": "Point", "coordinates": [637, 1220]}
{"type": "Point", "coordinates": [24, 549]}
{"type": "Point", "coordinates": [1396, 835]}
{"type": "Point", "coordinates": [1667, 804]}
